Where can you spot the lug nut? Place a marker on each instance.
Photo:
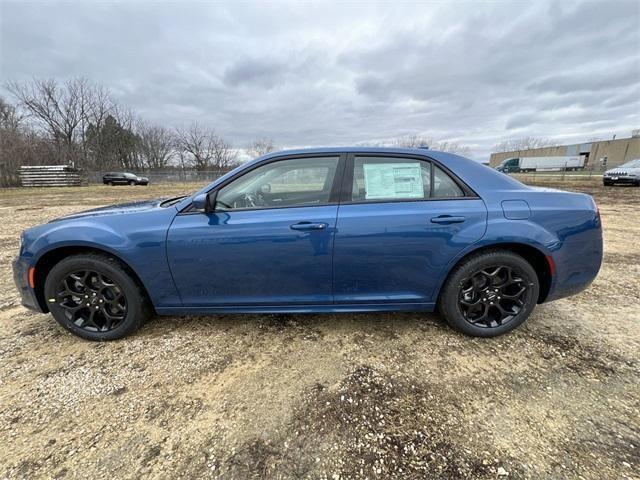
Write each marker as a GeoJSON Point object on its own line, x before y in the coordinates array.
{"type": "Point", "coordinates": [88, 304]}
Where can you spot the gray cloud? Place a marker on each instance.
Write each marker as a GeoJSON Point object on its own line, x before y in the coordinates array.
{"type": "Point", "coordinates": [254, 72]}
{"type": "Point", "coordinates": [334, 74]}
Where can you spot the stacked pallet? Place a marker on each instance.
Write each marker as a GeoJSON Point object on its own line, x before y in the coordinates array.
{"type": "Point", "coordinates": [50, 176]}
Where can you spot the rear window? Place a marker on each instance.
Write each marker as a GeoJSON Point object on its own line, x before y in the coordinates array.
{"type": "Point", "coordinates": [444, 186]}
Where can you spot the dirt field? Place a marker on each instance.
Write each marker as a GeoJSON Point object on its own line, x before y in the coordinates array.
{"type": "Point", "coordinates": [326, 396]}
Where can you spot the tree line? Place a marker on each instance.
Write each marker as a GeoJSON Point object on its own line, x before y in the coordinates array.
{"type": "Point", "coordinates": [79, 122]}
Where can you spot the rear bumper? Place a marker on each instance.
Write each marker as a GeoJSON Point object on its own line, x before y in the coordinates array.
{"type": "Point", "coordinates": [577, 265]}
{"type": "Point", "coordinates": [21, 279]}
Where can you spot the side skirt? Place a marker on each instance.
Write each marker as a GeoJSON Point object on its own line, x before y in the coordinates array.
{"type": "Point", "coordinates": [342, 308]}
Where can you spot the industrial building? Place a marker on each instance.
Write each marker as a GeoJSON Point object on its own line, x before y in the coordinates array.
{"type": "Point", "coordinates": [599, 155]}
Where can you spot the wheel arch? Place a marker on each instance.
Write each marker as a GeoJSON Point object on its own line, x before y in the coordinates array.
{"type": "Point", "coordinates": [540, 262]}
{"type": "Point", "coordinates": [50, 258]}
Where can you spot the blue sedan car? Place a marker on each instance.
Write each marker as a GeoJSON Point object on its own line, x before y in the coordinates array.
{"type": "Point", "coordinates": [321, 230]}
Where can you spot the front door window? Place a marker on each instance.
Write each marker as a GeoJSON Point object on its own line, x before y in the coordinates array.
{"type": "Point", "coordinates": [298, 182]}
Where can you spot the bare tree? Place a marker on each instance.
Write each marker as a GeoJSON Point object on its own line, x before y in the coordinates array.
{"type": "Point", "coordinates": [452, 147]}
{"type": "Point", "coordinates": [64, 111]}
{"type": "Point", "coordinates": [260, 147]}
{"type": "Point", "coordinates": [11, 144]}
{"type": "Point", "coordinates": [58, 108]}
{"type": "Point", "coordinates": [19, 145]}
{"type": "Point", "coordinates": [525, 143]}
{"type": "Point", "coordinates": [205, 147]}
{"type": "Point", "coordinates": [411, 141]}
{"type": "Point", "coordinates": [98, 107]}
{"type": "Point", "coordinates": [155, 145]}
{"type": "Point", "coordinates": [419, 141]}
{"type": "Point", "coordinates": [10, 118]}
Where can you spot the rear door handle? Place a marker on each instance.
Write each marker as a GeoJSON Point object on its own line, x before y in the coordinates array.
{"type": "Point", "coordinates": [308, 226]}
{"type": "Point", "coordinates": [446, 219]}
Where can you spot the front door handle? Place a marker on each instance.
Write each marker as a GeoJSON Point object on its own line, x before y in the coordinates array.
{"type": "Point", "coordinates": [308, 226]}
{"type": "Point", "coordinates": [446, 219]}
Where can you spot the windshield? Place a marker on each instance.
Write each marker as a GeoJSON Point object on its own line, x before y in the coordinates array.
{"type": "Point", "coordinates": [632, 164]}
{"type": "Point", "coordinates": [130, 175]}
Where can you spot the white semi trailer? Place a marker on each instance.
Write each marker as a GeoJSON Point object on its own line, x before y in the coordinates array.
{"type": "Point", "coordinates": [536, 164]}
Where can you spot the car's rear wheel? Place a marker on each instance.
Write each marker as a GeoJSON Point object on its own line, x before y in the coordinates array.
{"type": "Point", "coordinates": [489, 294]}
{"type": "Point", "coordinates": [131, 182]}
{"type": "Point", "coordinates": [94, 297]}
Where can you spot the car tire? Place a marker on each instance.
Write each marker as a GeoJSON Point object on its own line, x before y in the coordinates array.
{"type": "Point", "coordinates": [120, 303]}
{"type": "Point", "coordinates": [131, 182]}
{"type": "Point", "coordinates": [474, 302]}
{"type": "Point", "coordinates": [110, 184]}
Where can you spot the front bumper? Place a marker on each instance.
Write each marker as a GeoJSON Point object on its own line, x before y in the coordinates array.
{"type": "Point", "coordinates": [621, 179]}
{"type": "Point", "coordinates": [21, 279]}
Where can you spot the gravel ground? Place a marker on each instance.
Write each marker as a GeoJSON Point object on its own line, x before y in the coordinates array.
{"type": "Point", "coordinates": [325, 396]}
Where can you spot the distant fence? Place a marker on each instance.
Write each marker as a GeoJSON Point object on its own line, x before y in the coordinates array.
{"type": "Point", "coordinates": [67, 176]}
{"type": "Point", "coordinates": [164, 176]}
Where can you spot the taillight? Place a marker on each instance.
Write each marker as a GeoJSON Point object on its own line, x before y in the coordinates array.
{"type": "Point", "coordinates": [596, 208]}
{"type": "Point", "coordinates": [552, 265]}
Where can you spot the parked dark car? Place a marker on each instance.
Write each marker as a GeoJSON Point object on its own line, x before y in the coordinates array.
{"type": "Point", "coordinates": [123, 178]}
{"type": "Point", "coordinates": [322, 230]}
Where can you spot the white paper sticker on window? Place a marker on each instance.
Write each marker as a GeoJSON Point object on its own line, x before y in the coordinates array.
{"type": "Point", "coordinates": [393, 180]}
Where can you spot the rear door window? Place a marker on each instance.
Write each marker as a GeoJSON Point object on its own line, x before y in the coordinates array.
{"type": "Point", "coordinates": [381, 178]}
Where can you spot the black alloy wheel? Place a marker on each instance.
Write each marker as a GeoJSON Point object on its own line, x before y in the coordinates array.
{"type": "Point", "coordinates": [96, 297]}
{"type": "Point", "coordinates": [91, 301]}
{"type": "Point", "coordinates": [492, 297]}
{"type": "Point", "coordinates": [489, 293]}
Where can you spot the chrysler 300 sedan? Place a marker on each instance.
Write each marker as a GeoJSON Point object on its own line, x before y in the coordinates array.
{"type": "Point", "coordinates": [322, 230]}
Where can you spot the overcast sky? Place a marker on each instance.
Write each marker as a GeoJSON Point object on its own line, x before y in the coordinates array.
{"type": "Point", "coordinates": [323, 74]}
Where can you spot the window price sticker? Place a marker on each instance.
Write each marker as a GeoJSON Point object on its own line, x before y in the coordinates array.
{"type": "Point", "coordinates": [393, 180]}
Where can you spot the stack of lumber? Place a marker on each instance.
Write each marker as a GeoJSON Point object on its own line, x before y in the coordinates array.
{"type": "Point", "coordinates": [50, 176]}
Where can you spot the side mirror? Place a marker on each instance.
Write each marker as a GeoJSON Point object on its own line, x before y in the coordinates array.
{"type": "Point", "coordinates": [204, 201]}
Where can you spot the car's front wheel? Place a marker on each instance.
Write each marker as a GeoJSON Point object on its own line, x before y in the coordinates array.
{"type": "Point", "coordinates": [94, 297]}
{"type": "Point", "coordinates": [489, 294]}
